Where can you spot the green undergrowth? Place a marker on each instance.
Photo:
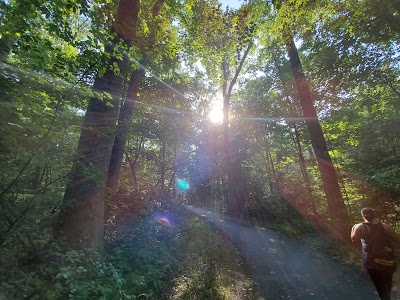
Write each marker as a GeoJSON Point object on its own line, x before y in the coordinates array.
{"type": "Point", "coordinates": [141, 258]}
{"type": "Point", "coordinates": [214, 269]}
{"type": "Point", "coordinates": [278, 215]}
{"type": "Point", "coordinates": [158, 255]}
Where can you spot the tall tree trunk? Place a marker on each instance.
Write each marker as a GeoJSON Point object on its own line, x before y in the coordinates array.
{"type": "Point", "coordinates": [127, 109]}
{"type": "Point", "coordinates": [296, 139]}
{"type": "Point", "coordinates": [81, 219]}
{"type": "Point", "coordinates": [162, 168]}
{"type": "Point", "coordinates": [232, 179]}
{"type": "Point", "coordinates": [132, 163]}
{"type": "Point", "coordinates": [132, 166]}
{"type": "Point", "coordinates": [267, 166]}
{"type": "Point", "coordinates": [302, 163]}
{"type": "Point", "coordinates": [230, 185]}
{"type": "Point", "coordinates": [336, 205]}
{"type": "Point", "coordinates": [124, 122]}
{"type": "Point", "coordinates": [5, 47]}
{"type": "Point", "coordinates": [174, 167]}
{"type": "Point", "coordinates": [271, 163]}
{"type": "Point", "coordinates": [82, 214]}
{"type": "Point", "coordinates": [225, 109]}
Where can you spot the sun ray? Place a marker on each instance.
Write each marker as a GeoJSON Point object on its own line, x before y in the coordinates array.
{"type": "Point", "coordinates": [216, 116]}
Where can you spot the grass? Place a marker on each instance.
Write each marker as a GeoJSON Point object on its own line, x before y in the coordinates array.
{"type": "Point", "coordinates": [214, 267]}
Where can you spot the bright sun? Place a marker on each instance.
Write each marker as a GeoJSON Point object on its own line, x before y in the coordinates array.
{"type": "Point", "coordinates": [216, 115]}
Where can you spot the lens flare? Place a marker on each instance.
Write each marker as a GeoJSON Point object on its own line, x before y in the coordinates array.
{"type": "Point", "coordinates": [164, 221]}
{"type": "Point", "coordinates": [182, 184]}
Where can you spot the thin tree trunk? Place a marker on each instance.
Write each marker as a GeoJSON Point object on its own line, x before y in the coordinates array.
{"type": "Point", "coordinates": [15, 180]}
{"type": "Point", "coordinates": [30, 203]}
{"type": "Point", "coordinates": [132, 164]}
{"type": "Point", "coordinates": [336, 205]}
{"type": "Point", "coordinates": [225, 109]}
{"type": "Point", "coordinates": [267, 169]}
{"type": "Point", "coordinates": [124, 122]}
{"type": "Point", "coordinates": [174, 172]}
{"type": "Point", "coordinates": [162, 168]}
{"type": "Point", "coordinates": [343, 187]}
{"type": "Point", "coordinates": [5, 48]}
{"type": "Point", "coordinates": [271, 162]}
{"type": "Point", "coordinates": [303, 168]}
{"type": "Point", "coordinates": [127, 109]}
{"type": "Point", "coordinates": [232, 192]}
{"type": "Point", "coordinates": [302, 161]}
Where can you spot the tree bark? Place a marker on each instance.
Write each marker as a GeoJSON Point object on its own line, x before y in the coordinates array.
{"type": "Point", "coordinates": [302, 163]}
{"type": "Point", "coordinates": [5, 48]}
{"type": "Point", "coordinates": [337, 209]}
{"type": "Point", "coordinates": [81, 219]}
{"type": "Point", "coordinates": [174, 167]}
{"type": "Point", "coordinates": [267, 166]}
{"type": "Point", "coordinates": [124, 122]}
{"type": "Point", "coordinates": [162, 168]}
{"type": "Point", "coordinates": [82, 212]}
{"type": "Point", "coordinates": [232, 177]}
{"type": "Point", "coordinates": [132, 165]}
{"type": "Point", "coordinates": [127, 109]}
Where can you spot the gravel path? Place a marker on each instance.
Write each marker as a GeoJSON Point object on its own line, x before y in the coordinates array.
{"type": "Point", "coordinates": [285, 268]}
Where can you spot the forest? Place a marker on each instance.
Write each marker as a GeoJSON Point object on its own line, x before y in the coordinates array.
{"type": "Point", "coordinates": [121, 119]}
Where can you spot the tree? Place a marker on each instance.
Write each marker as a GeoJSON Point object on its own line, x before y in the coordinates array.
{"type": "Point", "coordinates": [25, 22]}
{"type": "Point", "coordinates": [287, 22]}
{"type": "Point", "coordinates": [42, 88]}
{"type": "Point", "coordinates": [352, 58]}
{"type": "Point", "coordinates": [227, 44]}
{"type": "Point", "coordinates": [82, 213]}
{"type": "Point", "coordinates": [127, 108]}
{"type": "Point", "coordinates": [337, 208]}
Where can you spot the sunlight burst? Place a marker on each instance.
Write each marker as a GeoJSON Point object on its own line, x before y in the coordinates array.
{"type": "Point", "coordinates": [216, 116]}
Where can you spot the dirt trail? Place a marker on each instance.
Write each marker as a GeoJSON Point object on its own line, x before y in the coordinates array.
{"type": "Point", "coordinates": [285, 268]}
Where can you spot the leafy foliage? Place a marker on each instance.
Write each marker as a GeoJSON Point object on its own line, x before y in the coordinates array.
{"type": "Point", "coordinates": [53, 52]}
{"type": "Point", "coordinates": [142, 254]}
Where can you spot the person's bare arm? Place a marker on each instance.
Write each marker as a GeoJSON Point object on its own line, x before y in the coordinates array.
{"type": "Point", "coordinates": [356, 232]}
{"type": "Point", "coordinates": [395, 237]}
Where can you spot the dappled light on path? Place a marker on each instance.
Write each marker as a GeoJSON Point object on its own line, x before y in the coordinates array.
{"type": "Point", "coordinates": [285, 268]}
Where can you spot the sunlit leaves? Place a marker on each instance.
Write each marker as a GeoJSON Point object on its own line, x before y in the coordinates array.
{"type": "Point", "coordinates": [218, 35]}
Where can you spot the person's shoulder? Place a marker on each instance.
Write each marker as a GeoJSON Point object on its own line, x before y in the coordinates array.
{"type": "Point", "coordinates": [356, 226]}
{"type": "Point", "coordinates": [357, 232]}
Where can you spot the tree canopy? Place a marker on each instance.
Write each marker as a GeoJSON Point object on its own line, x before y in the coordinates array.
{"type": "Point", "coordinates": [105, 104]}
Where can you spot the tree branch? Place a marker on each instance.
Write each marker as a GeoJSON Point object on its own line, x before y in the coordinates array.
{"type": "Point", "coordinates": [12, 224]}
{"type": "Point", "coordinates": [9, 186]}
{"type": "Point", "coordinates": [240, 67]}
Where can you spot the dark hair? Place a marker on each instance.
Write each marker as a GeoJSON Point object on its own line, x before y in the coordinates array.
{"type": "Point", "coordinates": [368, 213]}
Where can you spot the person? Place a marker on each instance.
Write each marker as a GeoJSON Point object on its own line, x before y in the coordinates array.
{"type": "Point", "coordinates": [374, 236]}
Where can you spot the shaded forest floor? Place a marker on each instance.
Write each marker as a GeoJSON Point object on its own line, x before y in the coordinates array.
{"type": "Point", "coordinates": [214, 268]}
{"type": "Point", "coordinates": [203, 262]}
{"type": "Point", "coordinates": [174, 254]}
{"type": "Point", "coordinates": [165, 254]}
